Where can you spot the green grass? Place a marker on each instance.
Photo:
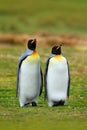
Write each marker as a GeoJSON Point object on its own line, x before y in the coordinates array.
{"type": "Point", "coordinates": [56, 16]}
{"type": "Point", "coordinates": [72, 116]}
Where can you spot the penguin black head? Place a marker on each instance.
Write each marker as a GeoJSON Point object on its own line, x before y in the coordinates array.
{"type": "Point", "coordinates": [32, 44]}
{"type": "Point", "coordinates": [56, 50]}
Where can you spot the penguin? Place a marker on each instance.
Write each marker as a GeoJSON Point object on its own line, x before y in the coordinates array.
{"type": "Point", "coordinates": [57, 78]}
{"type": "Point", "coordinates": [29, 76]}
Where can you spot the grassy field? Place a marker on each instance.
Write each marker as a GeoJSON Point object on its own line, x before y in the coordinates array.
{"type": "Point", "coordinates": [72, 116]}
{"type": "Point", "coordinates": [56, 16]}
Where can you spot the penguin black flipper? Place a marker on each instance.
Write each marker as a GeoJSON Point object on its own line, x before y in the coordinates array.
{"type": "Point", "coordinates": [68, 89]}
{"type": "Point", "coordinates": [45, 77]}
{"type": "Point", "coordinates": [23, 56]}
{"type": "Point", "coordinates": [41, 87]}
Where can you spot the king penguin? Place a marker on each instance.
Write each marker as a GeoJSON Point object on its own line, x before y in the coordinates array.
{"type": "Point", "coordinates": [29, 76]}
{"type": "Point", "coordinates": [57, 78]}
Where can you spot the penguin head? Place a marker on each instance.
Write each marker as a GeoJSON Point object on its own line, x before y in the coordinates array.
{"type": "Point", "coordinates": [56, 50]}
{"type": "Point", "coordinates": [32, 44]}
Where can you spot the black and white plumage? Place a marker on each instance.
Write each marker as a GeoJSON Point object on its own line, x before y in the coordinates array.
{"type": "Point", "coordinates": [57, 78]}
{"type": "Point", "coordinates": [29, 76]}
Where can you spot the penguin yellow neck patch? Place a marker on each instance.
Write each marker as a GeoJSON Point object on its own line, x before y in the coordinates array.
{"type": "Point", "coordinates": [57, 56]}
{"type": "Point", "coordinates": [34, 57]}
{"type": "Point", "coordinates": [35, 54]}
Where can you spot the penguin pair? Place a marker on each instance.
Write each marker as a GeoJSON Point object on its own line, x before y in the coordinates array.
{"type": "Point", "coordinates": [30, 79]}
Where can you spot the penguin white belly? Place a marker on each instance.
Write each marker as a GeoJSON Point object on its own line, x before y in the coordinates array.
{"type": "Point", "coordinates": [57, 80]}
{"type": "Point", "coordinates": [29, 81]}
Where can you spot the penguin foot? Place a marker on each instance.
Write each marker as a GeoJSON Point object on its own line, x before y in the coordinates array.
{"type": "Point", "coordinates": [59, 103]}
{"type": "Point", "coordinates": [55, 104]}
{"type": "Point", "coordinates": [34, 104]}
{"type": "Point", "coordinates": [26, 104]}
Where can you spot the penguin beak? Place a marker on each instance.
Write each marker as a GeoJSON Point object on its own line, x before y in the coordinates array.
{"type": "Point", "coordinates": [59, 45]}
{"type": "Point", "coordinates": [34, 40]}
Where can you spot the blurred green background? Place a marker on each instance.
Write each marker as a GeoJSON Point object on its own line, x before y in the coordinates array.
{"type": "Point", "coordinates": [32, 16]}
{"type": "Point", "coordinates": [56, 16]}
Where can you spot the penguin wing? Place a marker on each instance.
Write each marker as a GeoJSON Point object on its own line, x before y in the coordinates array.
{"type": "Point", "coordinates": [41, 86]}
{"type": "Point", "coordinates": [45, 77]}
{"type": "Point", "coordinates": [68, 89]}
{"type": "Point", "coordinates": [23, 56]}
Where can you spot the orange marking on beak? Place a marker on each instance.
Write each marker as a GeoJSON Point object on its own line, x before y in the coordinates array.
{"type": "Point", "coordinates": [32, 41]}
{"type": "Point", "coordinates": [59, 46]}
